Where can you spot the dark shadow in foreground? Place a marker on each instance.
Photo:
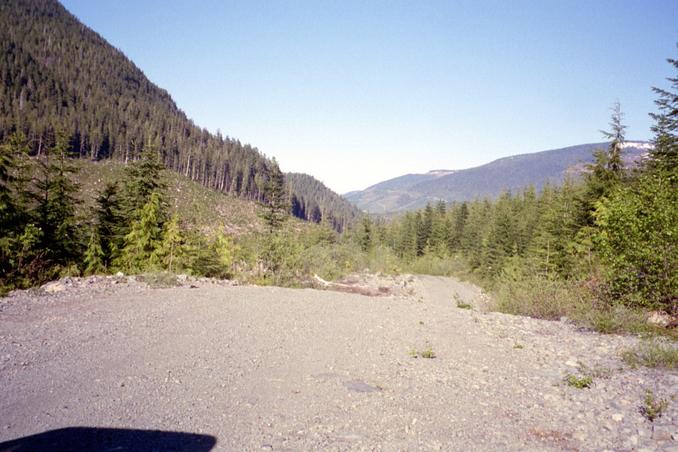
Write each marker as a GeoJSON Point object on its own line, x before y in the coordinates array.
{"type": "Point", "coordinates": [110, 439]}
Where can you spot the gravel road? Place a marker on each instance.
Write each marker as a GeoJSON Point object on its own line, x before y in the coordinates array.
{"type": "Point", "coordinates": [264, 368]}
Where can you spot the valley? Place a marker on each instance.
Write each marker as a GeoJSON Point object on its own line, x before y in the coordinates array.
{"type": "Point", "coordinates": [165, 286]}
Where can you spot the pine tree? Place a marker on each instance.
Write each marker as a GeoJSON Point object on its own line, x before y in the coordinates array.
{"type": "Point", "coordinates": [276, 207]}
{"type": "Point", "coordinates": [501, 241]}
{"type": "Point", "coordinates": [607, 171]}
{"type": "Point", "coordinates": [407, 238]}
{"type": "Point", "coordinates": [615, 162]}
{"type": "Point", "coordinates": [364, 234]}
{"type": "Point", "coordinates": [8, 208]}
{"type": "Point", "coordinates": [170, 249]}
{"type": "Point", "coordinates": [460, 215]}
{"type": "Point", "coordinates": [56, 203]}
{"type": "Point", "coordinates": [664, 155]}
{"type": "Point", "coordinates": [143, 178]}
{"type": "Point", "coordinates": [93, 259]}
{"type": "Point", "coordinates": [109, 221]}
{"type": "Point", "coordinates": [143, 238]}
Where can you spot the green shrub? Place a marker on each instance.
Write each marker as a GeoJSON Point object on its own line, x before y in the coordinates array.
{"type": "Point", "coordinates": [638, 228]}
{"type": "Point", "coordinates": [540, 297]}
{"type": "Point", "coordinates": [430, 264]}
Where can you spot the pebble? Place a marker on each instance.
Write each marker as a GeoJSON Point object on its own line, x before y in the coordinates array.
{"type": "Point", "coordinates": [662, 433]}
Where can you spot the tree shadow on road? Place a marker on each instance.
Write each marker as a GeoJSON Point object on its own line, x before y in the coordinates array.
{"type": "Point", "coordinates": [117, 439]}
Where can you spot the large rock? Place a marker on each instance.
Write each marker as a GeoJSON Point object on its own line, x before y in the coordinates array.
{"type": "Point", "coordinates": [660, 318]}
{"type": "Point", "coordinates": [54, 287]}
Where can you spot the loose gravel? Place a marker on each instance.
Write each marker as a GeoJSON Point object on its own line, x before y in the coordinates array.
{"type": "Point", "coordinates": [265, 368]}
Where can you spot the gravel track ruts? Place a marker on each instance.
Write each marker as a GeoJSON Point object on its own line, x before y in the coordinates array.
{"type": "Point", "coordinates": [265, 368]}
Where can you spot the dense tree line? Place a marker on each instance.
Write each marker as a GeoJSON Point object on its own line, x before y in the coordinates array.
{"type": "Point", "coordinates": [57, 74]}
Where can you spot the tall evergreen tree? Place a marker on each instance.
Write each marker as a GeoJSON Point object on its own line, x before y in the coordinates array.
{"type": "Point", "coordinates": [143, 178]}
{"type": "Point", "coordinates": [110, 222]}
{"type": "Point", "coordinates": [664, 155]}
{"type": "Point", "coordinates": [170, 250]}
{"type": "Point", "coordinates": [93, 260]}
{"type": "Point", "coordinates": [616, 136]}
{"type": "Point", "coordinates": [364, 235]}
{"type": "Point", "coordinates": [56, 202]}
{"type": "Point", "coordinates": [143, 238]}
{"type": "Point", "coordinates": [607, 171]}
{"type": "Point", "coordinates": [8, 207]}
{"type": "Point", "coordinates": [276, 207]}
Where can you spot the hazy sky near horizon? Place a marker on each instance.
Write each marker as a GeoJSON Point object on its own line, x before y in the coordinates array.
{"type": "Point", "coordinates": [356, 92]}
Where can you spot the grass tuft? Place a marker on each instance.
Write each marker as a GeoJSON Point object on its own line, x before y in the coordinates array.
{"type": "Point", "coordinates": [427, 353]}
{"type": "Point", "coordinates": [582, 382]}
{"type": "Point", "coordinates": [652, 353]}
{"type": "Point", "coordinates": [652, 407]}
{"type": "Point", "coordinates": [460, 303]}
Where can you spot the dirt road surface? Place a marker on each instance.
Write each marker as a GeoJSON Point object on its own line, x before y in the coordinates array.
{"type": "Point", "coordinates": [263, 368]}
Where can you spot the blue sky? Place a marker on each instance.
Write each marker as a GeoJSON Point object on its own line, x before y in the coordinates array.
{"type": "Point", "coordinates": [355, 92]}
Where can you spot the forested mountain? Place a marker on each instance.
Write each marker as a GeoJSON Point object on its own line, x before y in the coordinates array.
{"type": "Point", "coordinates": [311, 200]}
{"type": "Point", "coordinates": [57, 74]}
{"type": "Point", "coordinates": [513, 173]}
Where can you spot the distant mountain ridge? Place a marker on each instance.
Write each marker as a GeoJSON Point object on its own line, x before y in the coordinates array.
{"type": "Point", "coordinates": [412, 191]}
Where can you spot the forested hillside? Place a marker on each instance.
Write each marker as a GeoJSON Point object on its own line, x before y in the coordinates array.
{"type": "Point", "coordinates": [57, 74]}
{"type": "Point", "coordinates": [312, 201]}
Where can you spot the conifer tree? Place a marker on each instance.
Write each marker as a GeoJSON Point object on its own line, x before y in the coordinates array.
{"type": "Point", "coordinates": [170, 249]}
{"type": "Point", "coordinates": [607, 171]}
{"type": "Point", "coordinates": [460, 216]}
{"type": "Point", "coordinates": [56, 203]}
{"type": "Point", "coordinates": [276, 207]}
{"type": "Point", "coordinates": [109, 221]}
{"type": "Point", "coordinates": [664, 155]}
{"type": "Point", "coordinates": [365, 234]}
{"type": "Point", "coordinates": [501, 241]}
{"type": "Point", "coordinates": [93, 259]}
{"type": "Point", "coordinates": [616, 135]}
{"type": "Point", "coordinates": [8, 208]}
{"type": "Point", "coordinates": [143, 238]}
{"type": "Point", "coordinates": [143, 178]}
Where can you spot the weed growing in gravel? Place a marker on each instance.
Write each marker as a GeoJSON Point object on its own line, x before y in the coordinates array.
{"type": "Point", "coordinates": [653, 353]}
{"type": "Point", "coordinates": [460, 303]}
{"type": "Point", "coordinates": [427, 353]}
{"type": "Point", "coordinates": [518, 346]}
{"type": "Point", "coordinates": [582, 382]}
{"type": "Point", "coordinates": [653, 407]}
{"type": "Point", "coordinates": [595, 371]}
